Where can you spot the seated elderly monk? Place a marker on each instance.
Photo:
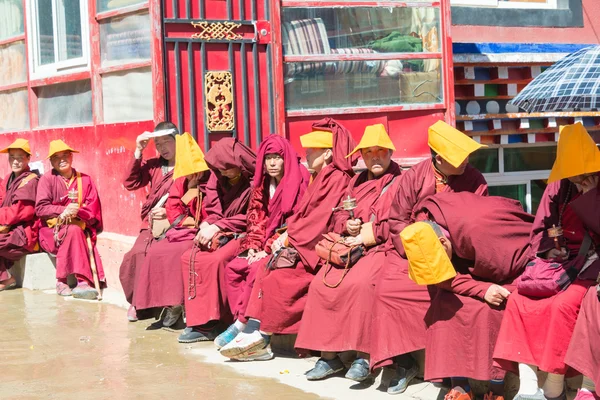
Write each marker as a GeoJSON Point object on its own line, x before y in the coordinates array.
{"type": "Point", "coordinates": [227, 195]}
{"type": "Point", "coordinates": [159, 282]}
{"type": "Point", "coordinates": [536, 330]}
{"type": "Point", "coordinates": [482, 247]}
{"type": "Point", "coordinates": [18, 224]}
{"type": "Point", "coordinates": [279, 184]}
{"type": "Point", "coordinates": [156, 172]}
{"type": "Point", "coordinates": [279, 292]}
{"type": "Point", "coordinates": [400, 304]}
{"type": "Point", "coordinates": [337, 316]}
{"type": "Point", "coordinates": [67, 202]}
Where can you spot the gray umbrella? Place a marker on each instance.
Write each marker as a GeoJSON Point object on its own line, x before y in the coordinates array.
{"type": "Point", "coordinates": [573, 83]}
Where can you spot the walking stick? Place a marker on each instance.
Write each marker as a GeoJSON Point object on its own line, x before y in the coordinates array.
{"type": "Point", "coordinates": [93, 265]}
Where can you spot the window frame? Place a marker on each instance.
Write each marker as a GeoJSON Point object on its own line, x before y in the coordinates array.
{"type": "Point", "coordinates": [446, 77]}
{"type": "Point", "coordinates": [58, 68]}
{"type": "Point", "coordinates": [548, 5]}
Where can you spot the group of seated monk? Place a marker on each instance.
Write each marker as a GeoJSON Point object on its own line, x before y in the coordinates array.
{"type": "Point", "coordinates": [59, 213]}
{"type": "Point", "coordinates": [383, 263]}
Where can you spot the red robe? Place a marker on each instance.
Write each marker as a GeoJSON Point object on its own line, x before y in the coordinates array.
{"type": "Point", "coordinates": [159, 282]}
{"type": "Point", "coordinates": [490, 243]}
{"type": "Point", "coordinates": [72, 254]}
{"type": "Point", "coordinates": [538, 331]}
{"type": "Point", "coordinates": [225, 205]}
{"type": "Point", "coordinates": [265, 215]}
{"type": "Point", "coordinates": [142, 173]}
{"type": "Point", "coordinates": [339, 319]}
{"type": "Point", "coordinates": [400, 304]}
{"type": "Point", "coordinates": [584, 351]}
{"type": "Point", "coordinates": [279, 296]}
{"type": "Point", "coordinates": [18, 213]}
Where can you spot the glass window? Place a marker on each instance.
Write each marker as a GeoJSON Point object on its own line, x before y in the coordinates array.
{"type": "Point", "coordinates": [529, 158]}
{"type": "Point", "coordinates": [127, 96]}
{"type": "Point", "coordinates": [13, 64]}
{"type": "Point", "coordinates": [11, 18]}
{"type": "Point", "coordinates": [485, 160]}
{"type": "Point", "coordinates": [332, 33]}
{"type": "Point", "coordinates": [517, 192]}
{"type": "Point", "coordinates": [60, 35]}
{"type": "Point", "coordinates": [14, 110]}
{"type": "Point", "coordinates": [107, 5]}
{"type": "Point", "coordinates": [65, 104]}
{"type": "Point", "coordinates": [125, 39]}
{"type": "Point", "coordinates": [538, 187]}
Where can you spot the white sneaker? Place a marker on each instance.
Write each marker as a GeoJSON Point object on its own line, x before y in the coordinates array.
{"type": "Point", "coordinates": [258, 355]}
{"type": "Point", "coordinates": [244, 343]}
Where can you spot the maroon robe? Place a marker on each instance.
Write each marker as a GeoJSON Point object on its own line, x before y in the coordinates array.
{"type": "Point", "coordinates": [538, 331]}
{"type": "Point", "coordinates": [72, 254]}
{"type": "Point", "coordinates": [490, 244]}
{"type": "Point", "coordinates": [279, 296]}
{"type": "Point", "coordinates": [225, 205]}
{"type": "Point", "coordinates": [339, 319]}
{"type": "Point", "coordinates": [584, 351]}
{"type": "Point", "coordinates": [265, 215]}
{"type": "Point", "coordinates": [142, 173]}
{"type": "Point", "coordinates": [400, 304]}
{"type": "Point", "coordinates": [159, 282]}
{"type": "Point", "coordinates": [17, 213]}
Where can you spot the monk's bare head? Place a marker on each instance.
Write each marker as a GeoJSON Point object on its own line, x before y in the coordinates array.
{"type": "Point", "coordinates": [443, 238]}
{"type": "Point", "coordinates": [377, 159]}
{"type": "Point", "coordinates": [62, 162]}
{"type": "Point", "coordinates": [274, 165]}
{"type": "Point", "coordinates": [317, 158]}
{"type": "Point", "coordinates": [18, 160]}
{"type": "Point", "coordinates": [446, 168]}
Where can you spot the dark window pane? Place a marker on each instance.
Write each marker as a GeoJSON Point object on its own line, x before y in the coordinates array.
{"type": "Point", "coordinates": [517, 192]}
{"type": "Point", "coordinates": [537, 191]}
{"type": "Point", "coordinates": [529, 158]}
{"type": "Point", "coordinates": [485, 160]}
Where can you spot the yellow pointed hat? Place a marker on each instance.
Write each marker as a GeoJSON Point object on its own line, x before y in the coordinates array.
{"type": "Point", "coordinates": [451, 144]}
{"type": "Point", "coordinates": [189, 158]}
{"type": "Point", "coordinates": [317, 140]}
{"type": "Point", "coordinates": [428, 263]}
{"type": "Point", "coordinates": [576, 154]}
{"type": "Point", "coordinates": [56, 146]}
{"type": "Point", "coordinates": [21, 144]}
{"type": "Point", "coordinates": [375, 135]}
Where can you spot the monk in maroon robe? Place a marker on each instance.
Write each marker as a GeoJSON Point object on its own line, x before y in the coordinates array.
{"type": "Point", "coordinates": [489, 242]}
{"type": "Point", "coordinates": [536, 332]}
{"type": "Point", "coordinates": [233, 166]}
{"type": "Point", "coordinates": [400, 304]}
{"type": "Point", "coordinates": [18, 224]}
{"type": "Point", "coordinates": [279, 294]}
{"type": "Point", "coordinates": [156, 172]}
{"type": "Point", "coordinates": [67, 202]}
{"type": "Point", "coordinates": [159, 282]}
{"type": "Point", "coordinates": [279, 184]}
{"type": "Point", "coordinates": [339, 305]}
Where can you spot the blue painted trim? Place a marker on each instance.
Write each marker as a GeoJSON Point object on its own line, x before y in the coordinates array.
{"type": "Point", "coordinates": [499, 48]}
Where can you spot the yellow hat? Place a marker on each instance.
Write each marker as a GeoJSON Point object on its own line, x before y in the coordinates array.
{"type": "Point", "coordinates": [428, 263]}
{"type": "Point", "coordinates": [375, 135]}
{"type": "Point", "coordinates": [189, 158]}
{"type": "Point", "coordinates": [451, 144]}
{"type": "Point", "coordinates": [576, 154]}
{"type": "Point", "coordinates": [317, 140]}
{"type": "Point", "coordinates": [21, 144]}
{"type": "Point", "coordinates": [56, 146]}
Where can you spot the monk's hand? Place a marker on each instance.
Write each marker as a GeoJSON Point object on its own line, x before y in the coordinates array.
{"type": "Point", "coordinates": [589, 183]}
{"type": "Point", "coordinates": [496, 295]}
{"type": "Point", "coordinates": [140, 145]}
{"type": "Point", "coordinates": [254, 257]}
{"type": "Point", "coordinates": [279, 242]}
{"type": "Point", "coordinates": [207, 233]}
{"type": "Point", "coordinates": [193, 181]}
{"type": "Point", "coordinates": [557, 254]}
{"type": "Point", "coordinates": [71, 210]}
{"type": "Point", "coordinates": [158, 213]}
{"type": "Point", "coordinates": [354, 241]}
{"type": "Point", "coordinates": [353, 226]}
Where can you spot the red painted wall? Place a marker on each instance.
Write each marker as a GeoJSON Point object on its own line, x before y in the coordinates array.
{"type": "Point", "coordinates": [590, 33]}
{"type": "Point", "coordinates": [105, 151]}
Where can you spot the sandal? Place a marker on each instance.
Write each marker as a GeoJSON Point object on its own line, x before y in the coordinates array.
{"type": "Point", "coordinates": [8, 284]}
{"type": "Point", "coordinates": [62, 289]}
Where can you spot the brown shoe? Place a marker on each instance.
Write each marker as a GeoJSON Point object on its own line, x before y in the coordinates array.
{"type": "Point", "coordinates": [8, 284]}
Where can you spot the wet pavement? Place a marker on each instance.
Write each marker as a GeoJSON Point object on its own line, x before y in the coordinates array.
{"type": "Point", "coordinates": [52, 348]}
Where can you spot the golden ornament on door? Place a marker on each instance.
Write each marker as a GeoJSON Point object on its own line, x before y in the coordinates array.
{"type": "Point", "coordinates": [219, 101]}
{"type": "Point", "coordinates": [216, 31]}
